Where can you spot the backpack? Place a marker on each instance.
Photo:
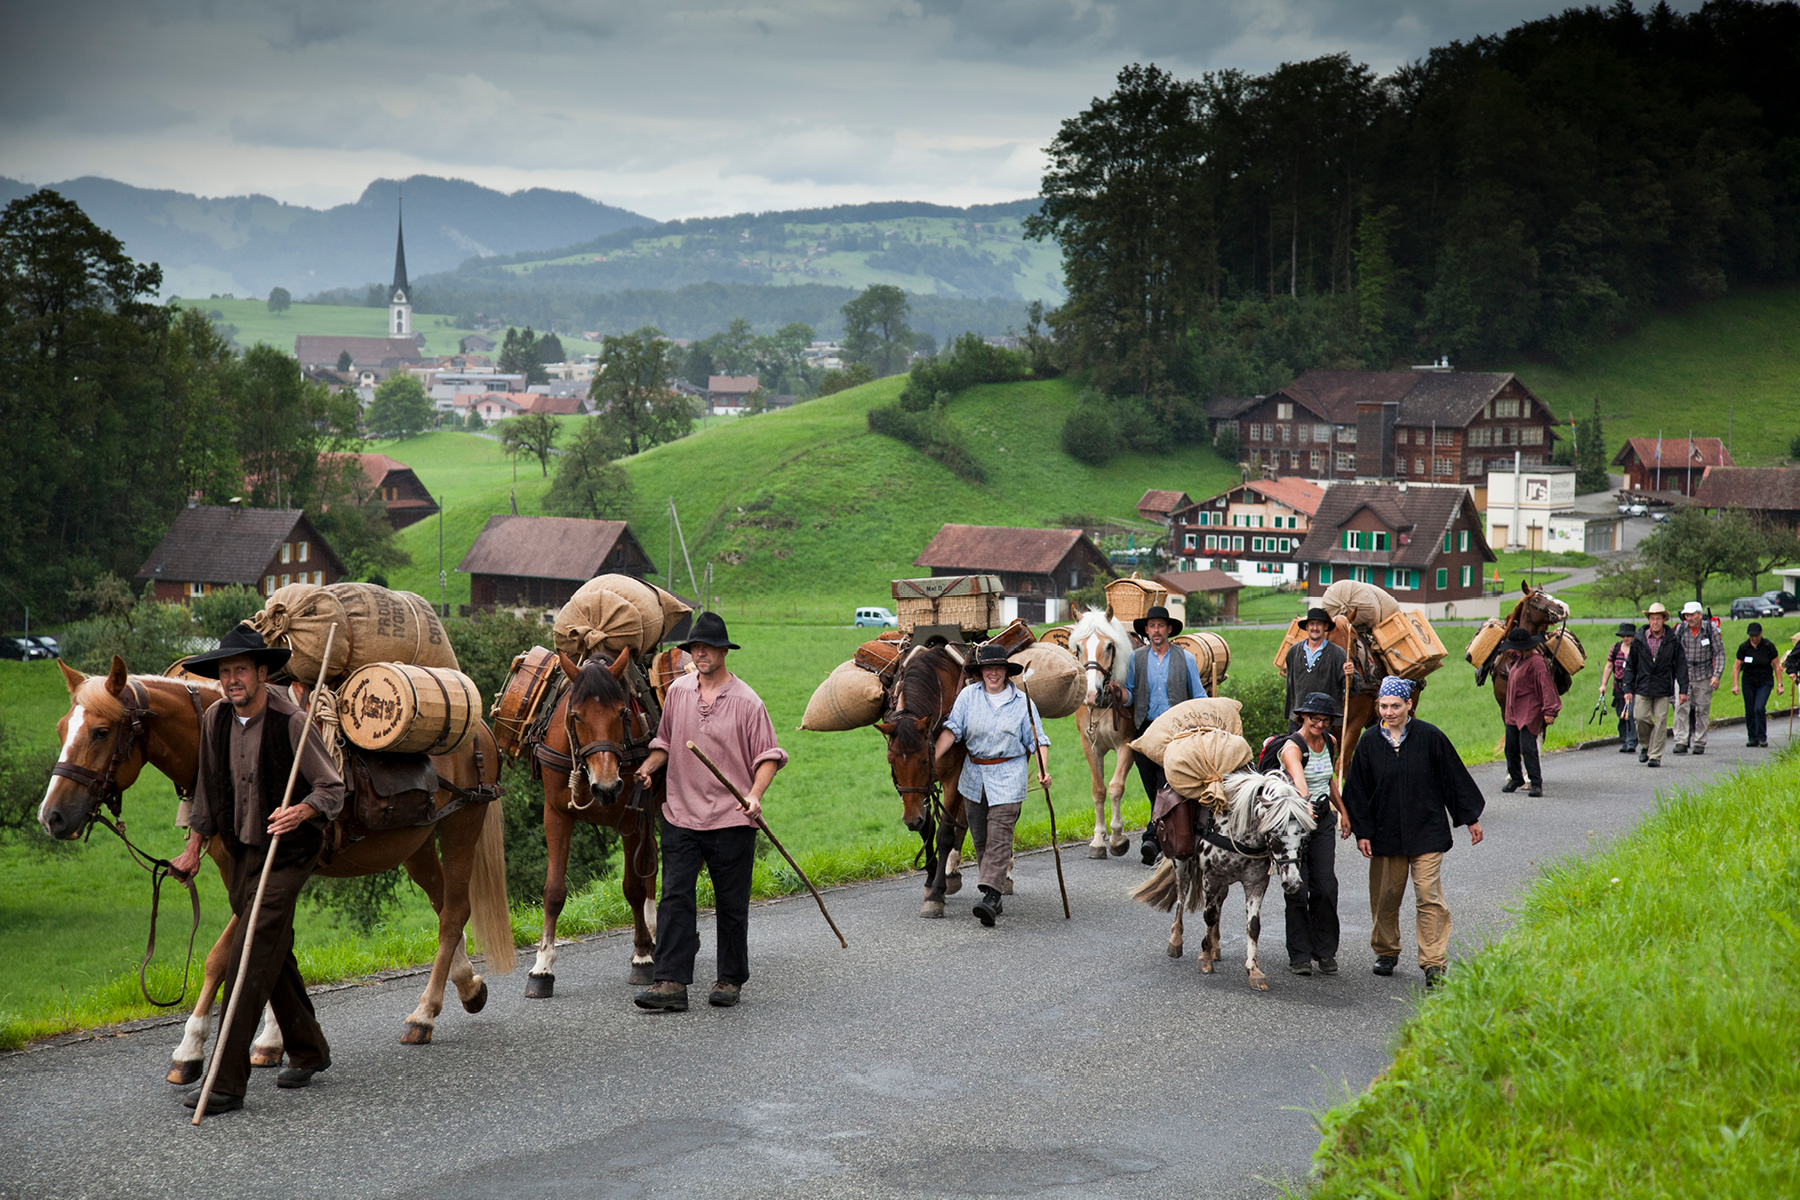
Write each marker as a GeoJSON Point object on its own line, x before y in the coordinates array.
{"type": "Point", "coordinates": [1270, 758]}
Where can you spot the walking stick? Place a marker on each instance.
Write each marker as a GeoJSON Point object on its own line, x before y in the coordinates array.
{"type": "Point", "coordinates": [1055, 850]}
{"type": "Point", "coordinates": [237, 986]}
{"type": "Point", "coordinates": [1344, 732]}
{"type": "Point", "coordinates": [764, 826]}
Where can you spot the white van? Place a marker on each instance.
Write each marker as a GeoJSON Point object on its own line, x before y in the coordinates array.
{"type": "Point", "coordinates": [878, 618]}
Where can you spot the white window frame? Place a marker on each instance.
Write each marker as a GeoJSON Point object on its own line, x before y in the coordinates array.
{"type": "Point", "coordinates": [195, 590]}
{"type": "Point", "coordinates": [305, 551]}
{"type": "Point", "coordinates": [287, 553]}
{"type": "Point", "coordinates": [1237, 544]}
{"type": "Point", "coordinates": [268, 585]}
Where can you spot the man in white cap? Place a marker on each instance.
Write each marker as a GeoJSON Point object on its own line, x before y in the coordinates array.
{"type": "Point", "coordinates": [1655, 672]}
{"type": "Point", "coordinates": [1705, 663]}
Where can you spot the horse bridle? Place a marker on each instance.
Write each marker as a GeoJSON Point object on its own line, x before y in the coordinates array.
{"type": "Point", "coordinates": [634, 751]}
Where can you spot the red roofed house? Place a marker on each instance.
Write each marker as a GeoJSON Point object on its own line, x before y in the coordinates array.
{"type": "Point", "coordinates": [1157, 505]}
{"type": "Point", "coordinates": [541, 561]}
{"type": "Point", "coordinates": [1036, 566]}
{"type": "Point", "coordinates": [215, 546]}
{"type": "Point", "coordinates": [1423, 544]}
{"type": "Point", "coordinates": [730, 393]}
{"type": "Point", "coordinates": [1669, 464]}
{"type": "Point", "coordinates": [405, 496]}
{"type": "Point", "coordinates": [1250, 531]}
{"type": "Point", "coordinates": [1217, 584]}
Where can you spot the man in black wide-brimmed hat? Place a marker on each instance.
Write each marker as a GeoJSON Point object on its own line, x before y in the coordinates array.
{"type": "Point", "coordinates": [1314, 664]}
{"type": "Point", "coordinates": [1161, 676]}
{"type": "Point", "coordinates": [248, 744]}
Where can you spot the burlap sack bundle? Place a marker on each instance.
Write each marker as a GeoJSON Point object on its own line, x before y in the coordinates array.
{"type": "Point", "coordinates": [1220, 713]}
{"type": "Point", "coordinates": [616, 612]}
{"type": "Point", "coordinates": [375, 624]}
{"type": "Point", "coordinates": [1362, 604]}
{"type": "Point", "coordinates": [1197, 761]}
{"type": "Point", "coordinates": [850, 698]}
{"type": "Point", "coordinates": [1054, 679]}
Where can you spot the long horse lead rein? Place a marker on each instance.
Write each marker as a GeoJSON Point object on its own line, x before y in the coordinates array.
{"type": "Point", "coordinates": [1055, 850]}
{"type": "Point", "coordinates": [764, 826]}
{"type": "Point", "coordinates": [249, 926]}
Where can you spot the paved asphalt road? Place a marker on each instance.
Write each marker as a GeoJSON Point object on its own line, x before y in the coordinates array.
{"type": "Point", "coordinates": [931, 1057]}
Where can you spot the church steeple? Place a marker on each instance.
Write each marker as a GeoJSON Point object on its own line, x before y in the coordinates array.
{"type": "Point", "coordinates": [400, 295]}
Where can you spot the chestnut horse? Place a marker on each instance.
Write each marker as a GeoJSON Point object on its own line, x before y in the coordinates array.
{"type": "Point", "coordinates": [1103, 645]}
{"type": "Point", "coordinates": [117, 723]}
{"type": "Point", "coordinates": [923, 694]}
{"type": "Point", "coordinates": [595, 737]}
{"type": "Point", "coordinates": [1538, 611]}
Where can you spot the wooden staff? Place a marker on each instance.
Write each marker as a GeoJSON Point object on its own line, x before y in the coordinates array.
{"type": "Point", "coordinates": [1344, 730]}
{"type": "Point", "coordinates": [764, 826]}
{"type": "Point", "coordinates": [1055, 851]}
{"type": "Point", "coordinates": [237, 987]}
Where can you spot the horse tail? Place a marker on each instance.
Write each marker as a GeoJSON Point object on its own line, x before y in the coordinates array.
{"type": "Point", "coordinates": [1161, 890]}
{"type": "Point", "coordinates": [487, 893]}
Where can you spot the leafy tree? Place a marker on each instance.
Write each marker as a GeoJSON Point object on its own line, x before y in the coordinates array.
{"type": "Point", "coordinates": [473, 423]}
{"type": "Point", "coordinates": [279, 300]}
{"type": "Point", "coordinates": [588, 482]}
{"type": "Point", "coordinates": [550, 349]}
{"type": "Point", "coordinates": [1590, 454]}
{"type": "Point", "coordinates": [854, 375]}
{"type": "Point", "coordinates": [924, 345]}
{"type": "Point", "coordinates": [1794, 446]}
{"type": "Point", "coordinates": [1090, 435]}
{"type": "Point", "coordinates": [534, 434]}
{"type": "Point", "coordinates": [400, 408]}
{"type": "Point", "coordinates": [345, 362]}
{"type": "Point", "coordinates": [352, 516]}
{"type": "Point", "coordinates": [875, 329]}
{"type": "Point", "coordinates": [1630, 579]}
{"type": "Point", "coordinates": [734, 350]}
{"type": "Point", "coordinates": [631, 393]}
{"type": "Point", "coordinates": [1225, 442]}
{"type": "Point", "coordinates": [519, 356]}
{"type": "Point", "coordinates": [223, 609]}
{"type": "Point", "coordinates": [1693, 545]}
{"type": "Point", "coordinates": [697, 365]}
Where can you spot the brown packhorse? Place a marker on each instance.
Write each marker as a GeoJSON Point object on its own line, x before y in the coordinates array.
{"type": "Point", "coordinates": [117, 723]}
{"type": "Point", "coordinates": [922, 697]}
{"type": "Point", "coordinates": [1539, 612]}
{"type": "Point", "coordinates": [595, 737]}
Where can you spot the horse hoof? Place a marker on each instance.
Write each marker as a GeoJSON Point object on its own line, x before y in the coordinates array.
{"type": "Point", "coordinates": [1174, 950]}
{"type": "Point", "coordinates": [264, 1058]}
{"type": "Point", "coordinates": [1096, 851]}
{"type": "Point", "coordinates": [932, 908]}
{"type": "Point", "coordinates": [540, 987]}
{"type": "Point", "coordinates": [1121, 846]}
{"type": "Point", "coordinates": [1259, 982]}
{"type": "Point", "coordinates": [952, 885]}
{"type": "Point", "coordinates": [478, 1001]}
{"type": "Point", "coordinates": [1206, 966]}
{"type": "Point", "coordinates": [183, 1073]}
{"type": "Point", "coordinates": [416, 1035]}
{"type": "Point", "coordinates": [642, 975]}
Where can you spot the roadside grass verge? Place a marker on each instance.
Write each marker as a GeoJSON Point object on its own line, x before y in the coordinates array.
{"type": "Point", "coordinates": [1636, 1033]}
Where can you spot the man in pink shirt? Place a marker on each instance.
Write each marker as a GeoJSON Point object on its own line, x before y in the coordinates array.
{"type": "Point", "coordinates": [702, 822]}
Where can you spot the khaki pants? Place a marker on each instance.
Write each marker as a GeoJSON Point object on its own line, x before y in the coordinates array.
{"type": "Point", "coordinates": [1388, 874]}
{"type": "Point", "coordinates": [1652, 713]}
{"type": "Point", "coordinates": [991, 829]}
{"type": "Point", "coordinates": [1697, 704]}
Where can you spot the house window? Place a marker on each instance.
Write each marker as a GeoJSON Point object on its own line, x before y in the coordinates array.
{"type": "Point", "coordinates": [1318, 460]}
{"type": "Point", "coordinates": [1287, 434]}
{"type": "Point", "coordinates": [1446, 542]}
{"type": "Point", "coordinates": [1462, 540]}
{"type": "Point", "coordinates": [285, 579]}
{"type": "Point", "coordinates": [1418, 466]}
{"type": "Point", "coordinates": [305, 548]}
{"type": "Point", "coordinates": [1532, 435]}
{"type": "Point", "coordinates": [1188, 542]}
{"type": "Point", "coordinates": [1467, 571]}
{"type": "Point", "coordinates": [1324, 572]}
{"type": "Point", "coordinates": [1237, 543]}
{"type": "Point", "coordinates": [1472, 468]}
{"type": "Point", "coordinates": [196, 589]}
{"type": "Point", "coordinates": [1443, 466]}
{"type": "Point", "coordinates": [1255, 432]}
{"type": "Point", "coordinates": [1303, 433]}
{"type": "Point", "coordinates": [319, 578]}
{"type": "Point", "coordinates": [1219, 503]}
{"type": "Point", "coordinates": [268, 585]}
{"type": "Point", "coordinates": [1365, 574]}
{"type": "Point", "coordinates": [1400, 437]}
{"type": "Point", "coordinates": [1351, 539]}
{"type": "Point", "coordinates": [1212, 541]}
{"type": "Point", "coordinates": [1256, 545]}
{"type": "Point", "coordinates": [1444, 437]}
{"type": "Point", "coordinates": [1443, 578]}
{"type": "Point", "coordinates": [1481, 437]}
{"type": "Point", "coordinates": [1506, 408]}
{"type": "Point", "coordinates": [1284, 411]}
{"type": "Point", "coordinates": [287, 552]}
{"type": "Point", "coordinates": [1532, 460]}
{"type": "Point", "coordinates": [1321, 433]}
{"type": "Point", "coordinates": [1346, 435]}
{"type": "Point", "coordinates": [1346, 462]}
{"type": "Point", "coordinates": [1402, 581]}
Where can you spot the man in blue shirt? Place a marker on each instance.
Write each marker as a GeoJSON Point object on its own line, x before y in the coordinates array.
{"type": "Point", "coordinates": [1161, 676]}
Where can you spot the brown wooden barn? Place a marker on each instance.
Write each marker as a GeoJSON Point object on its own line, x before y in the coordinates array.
{"type": "Point", "coordinates": [539, 562]}
{"type": "Point", "coordinates": [216, 546]}
{"type": "Point", "coordinates": [1034, 565]}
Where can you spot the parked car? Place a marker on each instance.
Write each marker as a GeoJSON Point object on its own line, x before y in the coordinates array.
{"type": "Point", "coordinates": [1787, 600]}
{"type": "Point", "coordinates": [877, 618]}
{"type": "Point", "coordinates": [49, 643]}
{"type": "Point", "coordinates": [1659, 517]}
{"type": "Point", "coordinates": [1638, 510]}
{"type": "Point", "coordinates": [21, 649]}
{"type": "Point", "coordinates": [1753, 606]}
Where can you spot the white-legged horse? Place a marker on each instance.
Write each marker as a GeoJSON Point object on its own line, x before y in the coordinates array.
{"type": "Point", "coordinates": [1266, 826]}
{"type": "Point", "coordinates": [1103, 644]}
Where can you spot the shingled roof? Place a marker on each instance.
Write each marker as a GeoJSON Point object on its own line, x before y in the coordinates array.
{"type": "Point", "coordinates": [1675, 454]}
{"type": "Point", "coordinates": [1000, 548]}
{"type": "Point", "coordinates": [1450, 398]}
{"type": "Point", "coordinates": [1160, 502]}
{"type": "Point", "coordinates": [1420, 516]}
{"type": "Point", "coordinates": [545, 547]}
{"type": "Point", "coordinates": [1301, 495]}
{"type": "Point", "coordinates": [226, 544]}
{"type": "Point", "coordinates": [1766, 489]}
{"type": "Point", "coordinates": [364, 351]}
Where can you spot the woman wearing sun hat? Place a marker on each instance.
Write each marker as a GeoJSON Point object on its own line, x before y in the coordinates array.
{"type": "Point", "coordinates": [1531, 705]}
{"type": "Point", "coordinates": [1307, 755]}
{"type": "Point", "coordinates": [1614, 672]}
{"type": "Point", "coordinates": [1001, 730]}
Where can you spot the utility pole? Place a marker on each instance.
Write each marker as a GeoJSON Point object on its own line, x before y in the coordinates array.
{"type": "Point", "coordinates": [443, 602]}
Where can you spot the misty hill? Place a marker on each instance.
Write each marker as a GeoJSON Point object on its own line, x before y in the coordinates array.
{"type": "Point", "coordinates": [246, 245]}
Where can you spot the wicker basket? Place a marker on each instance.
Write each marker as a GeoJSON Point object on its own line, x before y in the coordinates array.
{"type": "Point", "coordinates": [969, 602]}
{"type": "Point", "coordinates": [1131, 599]}
{"type": "Point", "coordinates": [1409, 644]}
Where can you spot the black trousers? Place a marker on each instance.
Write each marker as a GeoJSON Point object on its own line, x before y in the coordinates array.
{"type": "Point", "coordinates": [1151, 776]}
{"type": "Point", "coordinates": [1522, 744]}
{"type": "Point", "coordinates": [273, 976]}
{"type": "Point", "coordinates": [728, 855]}
{"type": "Point", "coordinates": [1312, 916]}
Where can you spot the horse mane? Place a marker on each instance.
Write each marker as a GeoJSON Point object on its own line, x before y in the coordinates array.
{"type": "Point", "coordinates": [596, 682]}
{"type": "Point", "coordinates": [92, 694]}
{"type": "Point", "coordinates": [919, 692]}
{"type": "Point", "coordinates": [1280, 801]}
{"type": "Point", "coordinates": [1094, 621]}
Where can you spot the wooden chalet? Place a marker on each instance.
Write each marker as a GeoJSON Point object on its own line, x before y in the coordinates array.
{"type": "Point", "coordinates": [217, 546]}
{"type": "Point", "coordinates": [1669, 464]}
{"type": "Point", "coordinates": [1251, 531]}
{"type": "Point", "coordinates": [1768, 494]}
{"type": "Point", "coordinates": [539, 562]}
{"type": "Point", "coordinates": [1423, 544]}
{"type": "Point", "coordinates": [1158, 505]}
{"type": "Point", "coordinates": [1034, 565]}
{"type": "Point", "coordinates": [730, 393]}
{"type": "Point", "coordinates": [1218, 584]}
{"type": "Point", "coordinates": [407, 500]}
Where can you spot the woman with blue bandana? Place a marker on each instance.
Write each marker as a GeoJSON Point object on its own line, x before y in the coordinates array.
{"type": "Point", "coordinates": [1405, 790]}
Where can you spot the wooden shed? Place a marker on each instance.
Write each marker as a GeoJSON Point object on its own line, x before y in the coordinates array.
{"type": "Point", "coordinates": [540, 561]}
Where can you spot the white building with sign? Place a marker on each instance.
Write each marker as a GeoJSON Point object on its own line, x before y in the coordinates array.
{"type": "Point", "coordinates": [1534, 509]}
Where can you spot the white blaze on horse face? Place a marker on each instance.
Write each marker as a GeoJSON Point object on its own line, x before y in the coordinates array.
{"type": "Point", "coordinates": [1090, 651]}
{"type": "Point", "coordinates": [77, 718]}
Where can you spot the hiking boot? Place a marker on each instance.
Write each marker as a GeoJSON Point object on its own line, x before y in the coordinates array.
{"type": "Point", "coordinates": [1300, 968]}
{"type": "Point", "coordinates": [1385, 964]}
{"type": "Point", "coordinates": [298, 1077]}
{"type": "Point", "coordinates": [1150, 851]}
{"type": "Point", "coordinates": [665, 995]}
{"type": "Point", "coordinates": [1328, 966]}
{"type": "Point", "coordinates": [1655, 762]}
{"type": "Point", "coordinates": [218, 1102]}
{"type": "Point", "coordinates": [988, 907]}
{"type": "Point", "coordinates": [1699, 750]}
{"type": "Point", "coordinates": [1643, 754]}
{"type": "Point", "coordinates": [724, 995]}
{"type": "Point", "coordinates": [1624, 749]}
{"type": "Point", "coordinates": [1512, 785]}
{"type": "Point", "coordinates": [1537, 789]}
{"type": "Point", "coordinates": [1681, 749]}
{"type": "Point", "coordinates": [1434, 978]}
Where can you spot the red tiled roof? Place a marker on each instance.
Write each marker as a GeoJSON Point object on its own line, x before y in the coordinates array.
{"type": "Point", "coordinates": [1301, 495]}
{"type": "Point", "coordinates": [1677, 453]}
{"type": "Point", "coordinates": [1162, 502]}
{"type": "Point", "coordinates": [364, 351]}
{"type": "Point", "coordinates": [999, 548]}
{"type": "Point", "coordinates": [736, 385]}
{"type": "Point", "coordinates": [1422, 514]}
{"type": "Point", "coordinates": [544, 547]}
{"type": "Point", "coordinates": [1186, 583]}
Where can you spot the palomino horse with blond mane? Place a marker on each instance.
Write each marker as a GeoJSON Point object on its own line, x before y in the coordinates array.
{"type": "Point", "coordinates": [119, 723]}
{"type": "Point", "coordinates": [1103, 644]}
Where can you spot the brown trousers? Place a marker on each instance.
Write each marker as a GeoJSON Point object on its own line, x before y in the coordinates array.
{"type": "Point", "coordinates": [1388, 874]}
{"type": "Point", "coordinates": [991, 829]}
{"type": "Point", "coordinates": [273, 977]}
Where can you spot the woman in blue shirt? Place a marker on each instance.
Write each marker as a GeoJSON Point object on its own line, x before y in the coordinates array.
{"type": "Point", "coordinates": [1000, 728]}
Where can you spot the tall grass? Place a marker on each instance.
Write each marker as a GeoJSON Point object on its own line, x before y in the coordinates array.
{"type": "Point", "coordinates": [1637, 1033]}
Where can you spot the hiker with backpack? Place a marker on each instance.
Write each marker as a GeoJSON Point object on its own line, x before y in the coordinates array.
{"type": "Point", "coordinates": [1307, 756]}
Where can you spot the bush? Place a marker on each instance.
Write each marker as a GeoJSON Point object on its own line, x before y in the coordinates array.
{"type": "Point", "coordinates": [149, 638]}
{"type": "Point", "coordinates": [968, 361]}
{"type": "Point", "coordinates": [854, 375]}
{"type": "Point", "coordinates": [23, 770]}
{"type": "Point", "coordinates": [1089, 434]}
{"type": "Point", "coordinates": [486, 645]}
{"type": "Point", "coordinates": [933, 434]}
{"type": "Point", "coordinates": [221, 610]}
{"type": "Point", "coordinates": [1263, 694]}
{"type": "Point", "coordinates": [1225, 442]}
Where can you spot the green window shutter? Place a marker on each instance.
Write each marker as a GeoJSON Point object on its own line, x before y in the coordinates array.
{"type": "Point", "coordinates": [1324, 572]}
{"type": "Point", "coordinates": [1446, 541]}
{"type": "Point", "coordinates": [1443, 578]}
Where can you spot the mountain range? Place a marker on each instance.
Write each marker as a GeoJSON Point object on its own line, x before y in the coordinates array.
{"type": "Point", "coordinates": [247, 245]}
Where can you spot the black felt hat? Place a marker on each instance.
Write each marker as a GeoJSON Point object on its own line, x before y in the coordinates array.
{"type": "Point", "coordinates": [1319, 704]}
{"type": "Point", "coordinates": [1159, 613]}
{"type": "Point", "coordinates": [992, 654]}
{"type": "Point", "coordinates": [1521, 638]}
{"type": "Point", "coordinates": [1625, 629]}
{"type": "Point", "coordinates": [709, 630]}
{"type": "Point", "coordinates": [243, 641]}
{"type": "Point", "coordinates": [1316, 614]}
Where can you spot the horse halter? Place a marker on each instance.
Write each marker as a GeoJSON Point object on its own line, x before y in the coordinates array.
{"type": "Point", "coordinates": [103, 786]}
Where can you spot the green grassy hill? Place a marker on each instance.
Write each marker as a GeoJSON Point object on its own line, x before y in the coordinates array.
{"type": "Point", "coordinates": [804, 511]}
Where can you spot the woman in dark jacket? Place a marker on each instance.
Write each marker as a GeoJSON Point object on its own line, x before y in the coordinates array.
{"type": "Point", "coordinates": [1406, 789]}
{"type": "Point", "coordinates": [1531, 705]}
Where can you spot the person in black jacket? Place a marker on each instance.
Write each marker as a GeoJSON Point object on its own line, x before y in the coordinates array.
{"type": "Point", "coordinates": [1655, 674]}
{"type": "Point", "coordinates": [1315, 664]}
{"type": "Point", "coordinates": [1405, 790]}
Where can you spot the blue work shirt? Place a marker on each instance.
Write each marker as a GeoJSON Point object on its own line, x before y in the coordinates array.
{"type": "Point", "coordinates": [989, 730]}
{"type": "Point", "coordinates": [1157, 672]}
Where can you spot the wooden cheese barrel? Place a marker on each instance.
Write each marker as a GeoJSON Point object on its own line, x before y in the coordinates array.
{"type": "Point", "coordinates": [1210, 652]}
{"type": "Point", "coordinates": [518, 702]}
{"type": "Point", "coordinates": [402, 709]}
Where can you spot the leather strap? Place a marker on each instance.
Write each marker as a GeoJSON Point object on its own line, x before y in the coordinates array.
{"type": "Point", "coordinates": [993, 762]}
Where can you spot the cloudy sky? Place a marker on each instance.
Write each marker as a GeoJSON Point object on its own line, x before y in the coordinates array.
{"type": "Point", "coordinates": [675, 108]}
